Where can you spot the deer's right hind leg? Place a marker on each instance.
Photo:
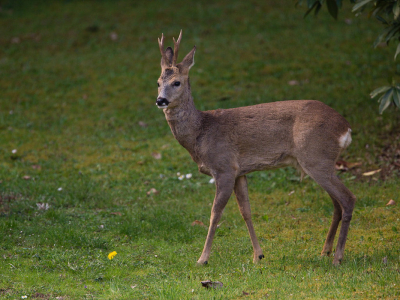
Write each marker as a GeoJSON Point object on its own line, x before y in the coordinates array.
{"type": "Point", "coordinates": [343, 201]}
{"type": "Point", "coordinates": [337, 216]}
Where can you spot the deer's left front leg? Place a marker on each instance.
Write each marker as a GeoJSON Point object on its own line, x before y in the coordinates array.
{"type": "Point", "coordinates": [242, 198]}
{"type": "Point", "coordinates": [224, 187]}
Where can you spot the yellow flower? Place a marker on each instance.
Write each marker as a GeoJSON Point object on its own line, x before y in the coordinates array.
{"type": "Point", "coordinates": [111, 255]}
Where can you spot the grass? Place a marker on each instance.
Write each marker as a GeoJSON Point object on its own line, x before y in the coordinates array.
{"type": "Point", "coordinates": [78, 108]}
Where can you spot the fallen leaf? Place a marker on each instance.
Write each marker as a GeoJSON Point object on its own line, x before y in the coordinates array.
{"type": "Point", "coordinates": [345, 166]}
{"type": "Point", "coordinates": [156, 155]}
{"type": "Point", "coordinates": [353, 165]}
{"type": "Point", "coordinates": [26, 177]}
{"type": "Point", "coordinates": [341, 165]}
{"type": "Point", "coordinates": [370, 173]}
{"type": "Point", "coordinates": [293, 82]}
{"type": "Point", "coordinates": [142, 124]}
{"type": "Point", "coordinates": [245, 293]}
{"type": "Point", "coordinates": [212, 284]}
{"type": "Point", "coordinates": [152, 191]}
{"type": "Point", "coordinates": [116, 213]}
{"type": "Point", "coordinates": [391, 202]}
{"type": "Point", "coordinates": [197, 222]}
{"type": "Point", "coordinates": [43, 206]}
{"type": "Point", "coordinates": [133, 286]}
{"type": "Point", "coordinates": [113, 36]}
{"type": "Point", "coordinates": [384, 260]}
{"type": "Point", "coordinates": [291, 193]}
{"type": "Point", "coordinates": [15, 40]}
{"type": "Point", "coordinates": [36, 167]}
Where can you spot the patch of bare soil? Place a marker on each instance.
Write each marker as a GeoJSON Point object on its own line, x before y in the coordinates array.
{"type": "Point", "coordinates": [387, 159]}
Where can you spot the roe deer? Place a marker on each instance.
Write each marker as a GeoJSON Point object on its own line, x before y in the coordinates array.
{"type": "Point", "coordinates": [229, 143]}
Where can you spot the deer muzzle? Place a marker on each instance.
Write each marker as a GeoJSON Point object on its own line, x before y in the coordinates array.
{"type": "Point", "coordinates": [162, 102]}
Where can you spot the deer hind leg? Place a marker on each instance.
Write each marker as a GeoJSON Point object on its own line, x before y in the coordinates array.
{"type": "Point", "coordinates": [242, 199]}
{"type": "Point", "coordinates": [347, 202]}
{"type": "Point", "coordinates": [337, 216]}
{"type": "Point", "coordinates": [224, 187]}
{"type": "Point", "coordinates": [343, 201]}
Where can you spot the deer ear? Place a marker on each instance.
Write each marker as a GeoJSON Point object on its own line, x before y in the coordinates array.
{"type": "Point", "coordinates": [187, 62]}
{"type": "Point", "coordinates": [169, 53]}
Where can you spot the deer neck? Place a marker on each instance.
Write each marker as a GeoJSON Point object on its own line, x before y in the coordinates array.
{"type": "Point", "coordinates": [185, 122]}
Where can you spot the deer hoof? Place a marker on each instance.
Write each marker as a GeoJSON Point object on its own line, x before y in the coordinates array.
{"type": "Point", "coordinates": [202, 263]}
{"type": "Point", "coordinates": [261, 256]}
{"type": "Point", "coordinates": [328, 253]}
{"type": "Point", "coordinates": [337, 262]}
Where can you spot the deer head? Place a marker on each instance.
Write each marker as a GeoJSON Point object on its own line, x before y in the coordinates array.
{"type": "Point", "coordinates": [174, 79]}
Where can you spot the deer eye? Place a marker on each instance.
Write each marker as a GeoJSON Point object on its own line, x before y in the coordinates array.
{"type": "Point", "coordinates": [177, 83]}
{"type": "Point", "coordinates": [158, 84]}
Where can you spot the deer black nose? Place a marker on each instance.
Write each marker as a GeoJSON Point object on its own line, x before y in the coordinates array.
{"type": "Point", "coordinates": [162, 102]}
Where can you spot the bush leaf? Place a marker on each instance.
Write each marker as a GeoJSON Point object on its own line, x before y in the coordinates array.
{"type": "Point", "coordinates": [385, 100]}
{"type": "Point", "coordinates": [379, 90]}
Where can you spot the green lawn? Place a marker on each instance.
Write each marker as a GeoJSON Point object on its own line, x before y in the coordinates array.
{"type": "Point", "coordinates": [80, 132]}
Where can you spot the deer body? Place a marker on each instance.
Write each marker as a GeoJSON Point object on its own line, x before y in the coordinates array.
{"type": "Point", "coordinates": [229, 143]}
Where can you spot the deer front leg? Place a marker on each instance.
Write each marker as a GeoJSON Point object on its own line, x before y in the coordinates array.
{"type": "Point", "coordinates": [224, 187]}
{"type": "Point", "coordinates": [242, 198]}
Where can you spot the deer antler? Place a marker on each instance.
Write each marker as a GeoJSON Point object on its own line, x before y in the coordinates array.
{"type": "Point", "coordinates": [163, 54]}
{"type": "Point", "coordinates": [176, 48]}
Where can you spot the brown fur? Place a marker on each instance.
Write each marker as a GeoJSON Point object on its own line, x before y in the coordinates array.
{"type": "Point", "coordinates": [229, 143]}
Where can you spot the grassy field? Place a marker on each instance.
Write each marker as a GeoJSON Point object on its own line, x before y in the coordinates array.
{"type": "Point", "coordinates": [81, 141]}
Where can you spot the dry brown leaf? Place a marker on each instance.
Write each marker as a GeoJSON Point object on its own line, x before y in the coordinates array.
{"type": "Point", "coordinates": [15, 40]}
{"type": "Point", "coordinates": [37, 167]}
{"type": "Point", "coordinates": [26, 177]}
{"type": "Point", "coordinates": [113, 36]}
{"type": "Point", "coordinates": [370, 173]}
{"type": "Point", "coordinates": [384, 260]}
{"type": "Point", "coordinates": [348, 21]}
{"type": "Point", "coordinates": [152, 191]}
{"type": "Point", "coordinates": [353, 165]}
{"type": "Point", "coordinates": [142, 124]}
{"type": "Point", "coordinates": [341, 165]}
{"type": "Point", "coordinates": [245, 293]}
{"type": "Point", "coordinates": [344, 165]}
{"type": "Point", "coordinates": [293, 82]}
{"type": "Point", "coordinates": [156, 155]}
{"type": "Point", "coordinates": [197, 222]}
{"type": "Point", "coordinates": [212, 284]}
{"type": "Point", "coordinates": [391, 202]}
{"type": "Point", "coordinates": [116, 213]}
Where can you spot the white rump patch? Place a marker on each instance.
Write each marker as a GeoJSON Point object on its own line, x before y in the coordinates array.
{"type": "Point", "coordinates": [345, 139]}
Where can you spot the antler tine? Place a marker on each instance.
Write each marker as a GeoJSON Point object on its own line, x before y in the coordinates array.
{"type": "Point", "coordinates": [161, 45]}
{"type": "Point", "coordinates": [176, 48]}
